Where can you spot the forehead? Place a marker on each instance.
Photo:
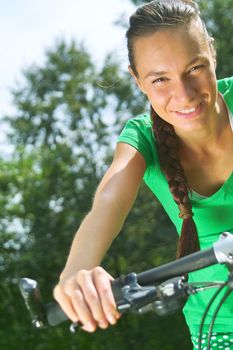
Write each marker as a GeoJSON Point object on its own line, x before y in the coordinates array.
{"type": "Point", "coordinates": [171, 47]}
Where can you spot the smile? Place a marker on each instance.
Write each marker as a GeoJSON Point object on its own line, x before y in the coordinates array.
{"type": "Point", "coordinates": [188, 113]}
{"type": "Point", "coordinates": [190, 110]}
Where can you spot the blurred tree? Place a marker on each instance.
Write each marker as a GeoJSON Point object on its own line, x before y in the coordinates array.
{"type": "Point", "coordinates": [68, 114]}
{"type": "Point", "coordinates": [218, 17]}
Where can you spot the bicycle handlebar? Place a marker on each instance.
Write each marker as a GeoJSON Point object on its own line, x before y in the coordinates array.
{"type": "Point", "coordinates": [221, 252]}
{"type": "Point", "coordinates": [124, 286]}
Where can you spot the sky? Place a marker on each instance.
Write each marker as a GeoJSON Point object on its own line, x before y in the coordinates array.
{"type": "Point", "coordinates": [29, 27]}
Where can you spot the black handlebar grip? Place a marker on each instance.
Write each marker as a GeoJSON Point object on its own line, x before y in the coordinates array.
{"type": "Point", "coordinates": [55, 315]}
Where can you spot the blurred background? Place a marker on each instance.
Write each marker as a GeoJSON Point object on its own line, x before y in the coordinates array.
{"type": "Point", "coordinates": [65, 95]}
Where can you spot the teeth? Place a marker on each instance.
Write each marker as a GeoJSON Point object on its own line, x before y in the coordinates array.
{"type": "Point", "coordinates": [186, 111]}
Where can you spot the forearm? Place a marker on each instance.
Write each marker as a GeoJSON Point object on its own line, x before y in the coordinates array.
{"type": "Point", "coordinates": [84, 291]}
{"type": "Point", "coordinates": [94, 237]}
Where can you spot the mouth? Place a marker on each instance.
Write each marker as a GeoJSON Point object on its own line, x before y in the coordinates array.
{"type": "Point", "coordinates": [188, 113]}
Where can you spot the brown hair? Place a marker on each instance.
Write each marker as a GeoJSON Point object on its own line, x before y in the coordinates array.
{"type": "Point", "coordinates": [149, 18]}
{"type": "Point", "coordinates": [170, 163]}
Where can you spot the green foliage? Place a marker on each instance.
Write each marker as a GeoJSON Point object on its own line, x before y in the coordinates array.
{"type": "Point", "coordinates": [63, 137]}
{"type": "Point", "coordinates": [67, 99]}
{"type": "Point", "coordinates": [68, 115]}
{"type": "Point", "coordinates": [217, 15]}
{"type": "Point", "coordinates": [64, 131]}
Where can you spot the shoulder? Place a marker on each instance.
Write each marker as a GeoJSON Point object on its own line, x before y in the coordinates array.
{"type": "Point", "coordinates": [138, 133]}
{"type": "Point", "coordinates": [140, 121]}
{"type": "Point", "coordinates": [138, 127]}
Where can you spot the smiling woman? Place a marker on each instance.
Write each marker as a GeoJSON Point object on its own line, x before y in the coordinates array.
{"type": "Point", "coordinates": [177, 73]}
{"type": "Point", "coordinates": [182, 150]}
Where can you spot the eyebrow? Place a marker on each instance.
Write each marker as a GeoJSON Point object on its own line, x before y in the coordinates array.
{"type": "Point", "coordinates": [161, 73]}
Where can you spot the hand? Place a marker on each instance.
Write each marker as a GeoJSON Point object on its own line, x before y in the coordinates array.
{"type": "Point", "coordinates": [87, 297]}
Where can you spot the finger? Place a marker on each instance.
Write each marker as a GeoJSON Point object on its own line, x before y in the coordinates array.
{"type": "Point", "coordinates": [65, 303]}
{"type": "Point", "coordinates": [92, 299]}
{"type": "Point", "coordinates": [76, 298]}
{"type": "Point", "coordinates": [102, 281]}
{"type": "Point", "coordinates": [81, 307]}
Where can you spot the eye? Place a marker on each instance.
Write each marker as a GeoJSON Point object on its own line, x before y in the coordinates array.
{"type": "Point", "coordinates": [159, 80]}
{"type": "Point", "coordinates": [195, 68]}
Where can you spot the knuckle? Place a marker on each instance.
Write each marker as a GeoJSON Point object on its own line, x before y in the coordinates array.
{"type": "Point", "coordinates": [91, 295]}
{"type": "Point", "coordinates": [81, 272]}
{"type": "Point", "coordinates": [60, 290]}
{"type": "Point", "coordinates": [77, 294]}
{"type": "Point", "coordinates": [68, 286]}
{"type": "Point", "coordinates": [57, 292]}
{"type": "Point", "coordinates": [81, 275]}
{"type": "Point", "coordinates": [105, 290]}
{"type": "Point", "coordinates": [107, 298]}
{"type": "Point", "coordinates": [98, 270]}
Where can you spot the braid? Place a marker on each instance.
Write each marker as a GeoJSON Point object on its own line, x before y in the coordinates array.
{"type": "Point", "coordinates": [170, 163]}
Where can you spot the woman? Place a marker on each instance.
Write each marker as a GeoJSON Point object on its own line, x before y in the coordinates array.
{"type": "Point", "coordinates": [182, 150]}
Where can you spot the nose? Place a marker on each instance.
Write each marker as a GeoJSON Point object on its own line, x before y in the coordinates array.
{"type": "Point", "coordinates": [184, 92]}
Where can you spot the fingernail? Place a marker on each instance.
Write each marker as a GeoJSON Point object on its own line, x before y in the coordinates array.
{"type": "Point", "coordinates": [103, 324]}
{"type": "Point", "coordinates": [89, 327]}
{"type": "Point", "coordinates": [118, 315]}
{"type": "Point", "coordinates": [111, 318]}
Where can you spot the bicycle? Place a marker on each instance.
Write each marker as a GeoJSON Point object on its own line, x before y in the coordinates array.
{"type": "Point", "coordinates": [161, 289]}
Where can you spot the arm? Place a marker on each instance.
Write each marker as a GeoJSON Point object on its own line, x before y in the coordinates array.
{"type": "Point", "coordinates": [84, 290]}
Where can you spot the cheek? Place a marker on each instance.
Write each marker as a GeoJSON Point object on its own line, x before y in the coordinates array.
{"type": "Point", "coordinates": [158, 100]}
{"type": "Point", "coordinates": [209, 84]}
{"type": "Point", "coordinates": [209, 78]}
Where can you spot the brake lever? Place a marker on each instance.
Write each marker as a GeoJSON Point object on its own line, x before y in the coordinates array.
{"type": "Point", "coordinates": [163, 299]}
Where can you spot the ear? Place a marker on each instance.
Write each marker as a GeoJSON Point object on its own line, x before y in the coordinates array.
{"type": "Point", "coordinates": [136, 79]}
{"type": "Point", "coordinates": [215, 63]}
{"type": "Point", "coordinates": [213, 51]}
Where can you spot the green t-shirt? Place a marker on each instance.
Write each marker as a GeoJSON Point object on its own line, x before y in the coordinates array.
{"type": "Point", "coordinates": [213, 215]}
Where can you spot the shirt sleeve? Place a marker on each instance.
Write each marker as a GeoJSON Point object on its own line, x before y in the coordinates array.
{"type": "Point", "coordinates": [138, 133]}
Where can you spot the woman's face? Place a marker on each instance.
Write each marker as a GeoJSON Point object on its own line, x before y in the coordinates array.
{"type": "Point", "coordinates": [176, 70]}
